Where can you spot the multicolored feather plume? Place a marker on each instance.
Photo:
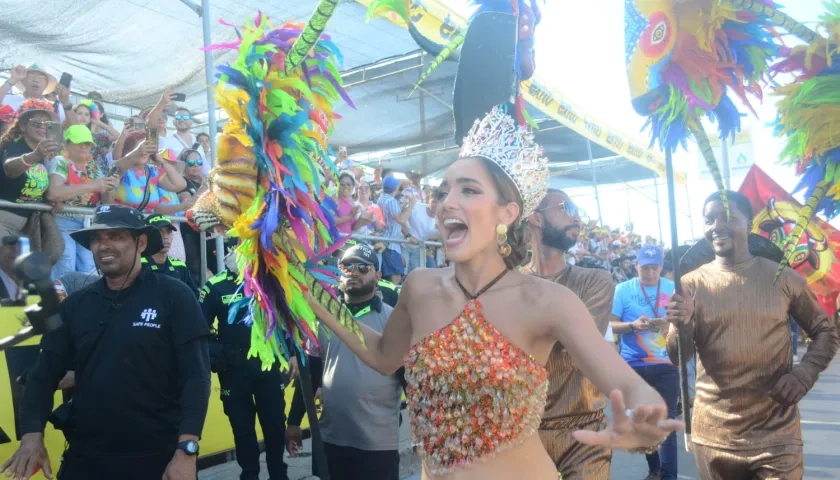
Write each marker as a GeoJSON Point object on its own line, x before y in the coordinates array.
{"type": "Point", "coordinates": [281, 117]}
{"type": "Point", "coordinates": [688, 60]}
{"type": "Point", "coordinates": [809, 120]}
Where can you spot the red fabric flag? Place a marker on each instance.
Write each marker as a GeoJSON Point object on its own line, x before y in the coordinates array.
{"type": "Point", "coordinates": [776, 212]}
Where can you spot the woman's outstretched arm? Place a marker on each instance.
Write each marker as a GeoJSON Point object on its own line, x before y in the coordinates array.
{"type": "Point", "coordinates": [382, 351]}
{"type": "Point", "coordinates": [647, 424]}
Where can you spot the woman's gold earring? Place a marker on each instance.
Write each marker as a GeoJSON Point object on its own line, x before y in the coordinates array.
{"type": "Point", "coordinates": [502, 240]}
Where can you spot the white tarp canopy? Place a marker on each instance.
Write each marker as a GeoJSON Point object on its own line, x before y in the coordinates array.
{"type": "Point", "coordinates": [132, 50]}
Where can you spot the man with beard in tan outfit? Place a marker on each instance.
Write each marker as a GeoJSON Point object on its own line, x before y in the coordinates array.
{"type": "Point", "coordinates": [574, 403]}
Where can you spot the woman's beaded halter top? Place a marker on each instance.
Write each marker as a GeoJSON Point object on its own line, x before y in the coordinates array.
{"type": "Point", "coordinates": [471, 392]}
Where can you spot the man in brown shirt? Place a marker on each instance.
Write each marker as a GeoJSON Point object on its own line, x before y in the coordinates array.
{"type": "Point", "coordinates": [574, 403]}
{"type": "Point", "coordinates": [746, 419]}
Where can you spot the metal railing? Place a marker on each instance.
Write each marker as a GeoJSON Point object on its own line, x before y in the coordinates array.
{"type": "Point", "coordinates": [42, 207]}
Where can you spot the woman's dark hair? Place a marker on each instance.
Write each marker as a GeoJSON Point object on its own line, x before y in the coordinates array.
{"type": "Point", "coordinates": [13, 133]}
{"type": "Point", "coordinates": [518, 237]}
{"type": "Point", "coordinates": [740, 201]}
{"type": "Point", "coordinates": [185, 154]}
{"type": "Point", "coordinates": [347, 175]}
{"type": "Point", "coordinates": [202, 134]}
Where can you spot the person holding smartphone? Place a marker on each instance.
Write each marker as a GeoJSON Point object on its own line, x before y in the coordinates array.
{"type": "Point", "coordinates": [639, 321]}
{"type": "Point", "coordinates": [76, 180]}
{"type": "Point", "coordinates": [24, 149]}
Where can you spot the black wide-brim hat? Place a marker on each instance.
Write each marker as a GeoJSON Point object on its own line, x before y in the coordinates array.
{"type": "Point", "coordinates": [119, 217]}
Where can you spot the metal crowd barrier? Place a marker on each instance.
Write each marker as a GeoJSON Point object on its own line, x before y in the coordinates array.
{"type": "Point", "coordinates": [220, 261]}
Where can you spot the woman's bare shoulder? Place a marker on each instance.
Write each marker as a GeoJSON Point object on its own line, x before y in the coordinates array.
{"type": "Point", "coordinates": [422, 279]}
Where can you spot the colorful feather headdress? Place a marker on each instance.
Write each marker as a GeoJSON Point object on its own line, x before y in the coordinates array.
{"type": "Point", "coordinates": [268, 185]}
{"type": "Point", "coordinates": [809, 119]}
{"type": "Point", "coordinates": [685, 59]}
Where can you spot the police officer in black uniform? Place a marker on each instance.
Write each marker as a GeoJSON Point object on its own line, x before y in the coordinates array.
{"type": "Point", "coordinates": [139, 349]}
{"type": "Point", "coordinates": [160, 262]}
{"type": "Point", "coordinates": [247, 390]}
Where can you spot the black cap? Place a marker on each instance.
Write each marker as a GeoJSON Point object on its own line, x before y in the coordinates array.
{"type": "Point", "coordinates": [119, 217]}
{"type": "Point", "coordinates": [361, 253]}
{"type": "Point", "coordinates": [160, 221]}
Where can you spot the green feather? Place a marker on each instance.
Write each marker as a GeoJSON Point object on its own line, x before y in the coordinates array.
{"type": "Point", "coordinates": [453, 45]}
{"type": "Point", "coordinates": [310, 34]}
{"type": "Point", "coordinates": [380, 8]}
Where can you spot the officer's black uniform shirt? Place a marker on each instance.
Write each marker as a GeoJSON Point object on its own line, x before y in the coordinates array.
{"type": "Point", "coordinates": [215, 299]}
{"type": "Point", "coordinates": [172, 267]}
{"type": "Point", "coordinates": [141, 362]}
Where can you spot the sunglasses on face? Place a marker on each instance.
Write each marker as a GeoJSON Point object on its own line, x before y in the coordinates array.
{"type": "Point", "coordinates": [40, 124]}
{"type": "Point", "coordinates": [569, 208]}
{"type": "Point", "coordinates": [182, 117]}
{"type": "Point", "coordinates": [191, 162]}
{"type": "Point", "coordinates": [349, 268]}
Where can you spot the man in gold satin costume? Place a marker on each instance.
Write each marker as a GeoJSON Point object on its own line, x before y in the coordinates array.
{"type": "Point", "coordinates": [574, 403]}
{"type": "Point", "coordinates": [746, 419]}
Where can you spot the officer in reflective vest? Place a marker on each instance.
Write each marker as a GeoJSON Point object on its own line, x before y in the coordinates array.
{"type": "Point", "coordinates": [389, 292]}
{"type": "Point", "coordinates": [161, 262]}
{"type": "Point", "coordinates": [246, 390]}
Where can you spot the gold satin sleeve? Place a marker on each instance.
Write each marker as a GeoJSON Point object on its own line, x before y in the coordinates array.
{"type": "Point", "coordinates": [572, 399]}
{"type": "Point", "coordinates": [741, 333]}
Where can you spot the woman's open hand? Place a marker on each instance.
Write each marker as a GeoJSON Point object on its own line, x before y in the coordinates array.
{"type": "Point", "coordinates": [644, 427]}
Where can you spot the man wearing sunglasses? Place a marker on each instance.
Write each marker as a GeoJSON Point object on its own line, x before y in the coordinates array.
{"type": "Point", "coordinates": [360, 418]}
{"type": "Point", "coordinates": [574, 403]}
{"type": "Point", "coordinates": [182, 139]}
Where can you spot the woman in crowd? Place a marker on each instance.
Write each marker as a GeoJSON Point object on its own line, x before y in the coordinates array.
{"type": "Point", "coordinates": [24, 149]}
{"type": "Point", "coordinates": [370, 221]}
{"type": "Point", "coordinates": [77, 181]}
{"type": "Point", "coordinates": [477, 384]}
{"type": "Point", "coordinates": [348, 210]}
{"type": "Point", "coordinates": [146, 178]}
{"type": "Point", "coordinates": [89, 114]}
{"type": "Point", "coordinates": [193, 166]}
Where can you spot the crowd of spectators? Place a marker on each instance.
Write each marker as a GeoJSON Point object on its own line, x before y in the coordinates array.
{"type": "Point", "coordinates": [611, 249]}
{"type": "Point", "coordinates": [72, 155]}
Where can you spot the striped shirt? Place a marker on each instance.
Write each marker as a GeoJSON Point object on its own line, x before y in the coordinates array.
{"type": "Point", "coordinates": [391, 210]}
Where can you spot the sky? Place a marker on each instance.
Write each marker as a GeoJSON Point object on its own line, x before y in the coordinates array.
{"type": "Point", "coordinates": [580, 52]}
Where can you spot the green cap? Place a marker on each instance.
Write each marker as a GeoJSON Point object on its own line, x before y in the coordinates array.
{"type": "Point", "coordinates": [78, 134]}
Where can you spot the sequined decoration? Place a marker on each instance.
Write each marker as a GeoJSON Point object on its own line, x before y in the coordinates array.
{"type": "Point", "coordinates": [471, 393]}
{"type": "Point", "coordinates": [499, 139]}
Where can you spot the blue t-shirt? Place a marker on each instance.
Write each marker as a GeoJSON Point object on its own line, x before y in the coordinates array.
{"type": "Point", "coordinates": [642, 348]}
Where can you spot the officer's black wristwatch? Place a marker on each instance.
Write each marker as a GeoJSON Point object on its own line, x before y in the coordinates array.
{"type": "Point", "coordinates": [190, 447]}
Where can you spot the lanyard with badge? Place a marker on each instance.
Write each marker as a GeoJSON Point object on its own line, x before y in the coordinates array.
{"type": "Point", "coordinates": [650, 303]}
